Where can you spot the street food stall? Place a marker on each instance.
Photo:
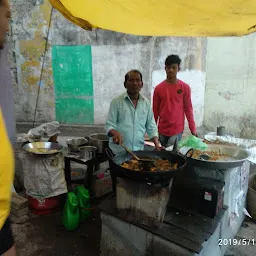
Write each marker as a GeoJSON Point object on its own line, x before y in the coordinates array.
{"type": "Point", "coordinates": [196, 205]}
{"type": "Point", "coordinates": [183, 204]}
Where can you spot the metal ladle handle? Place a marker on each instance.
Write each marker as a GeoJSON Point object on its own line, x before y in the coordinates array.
{"type": "Point", "coordinates": [130, 152]}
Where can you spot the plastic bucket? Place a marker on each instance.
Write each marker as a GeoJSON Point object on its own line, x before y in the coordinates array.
{"type": "Point", "coordinates": [43, 206]}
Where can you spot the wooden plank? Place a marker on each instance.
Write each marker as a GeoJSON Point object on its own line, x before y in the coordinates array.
{"type": "Point", "coordinates": [174, 238]}
{"type": "Point", "coordinates": [198, 238]}
{"type": "Point", "coordinates": [186, 224]}
{"type": "Point", "coordinates": [195, 224]}
{"type": "Point", "coordinates": [172, 207]}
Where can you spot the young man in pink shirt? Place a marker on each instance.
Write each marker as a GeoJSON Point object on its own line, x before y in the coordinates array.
{"type": "Point", "coordinates": [171, 102]}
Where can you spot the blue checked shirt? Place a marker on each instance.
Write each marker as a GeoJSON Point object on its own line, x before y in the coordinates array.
{"type": "Point", "coordinates": [132, 123]}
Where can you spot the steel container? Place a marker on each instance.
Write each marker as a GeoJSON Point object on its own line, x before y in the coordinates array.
{"type": "Point", "coordinates": [100, 141]}
{"type": "Point", "coordinates": [87, 152]}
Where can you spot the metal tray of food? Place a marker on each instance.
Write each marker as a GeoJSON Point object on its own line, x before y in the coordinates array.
{"type": "Point", "coordinates": [42, 148]}
{"type": "Point", "coordinates": [219, 157]}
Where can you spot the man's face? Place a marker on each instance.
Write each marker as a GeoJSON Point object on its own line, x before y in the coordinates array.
{"type": "Point", "coordinates": [134, 83]}
{"type": "Point", "coordinates": [172, 70]}
{"type": "Point", "coordinates": [5, 15]}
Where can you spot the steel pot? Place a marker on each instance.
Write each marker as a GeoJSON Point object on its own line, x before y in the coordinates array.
{"type": "Point", "coordinates": [75, 143]}
{"type": "Point", "coordinates": [87, 152]}
{"type": "Point", "coordinates": [100, 141]}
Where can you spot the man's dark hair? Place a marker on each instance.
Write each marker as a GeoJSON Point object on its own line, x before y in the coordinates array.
{"type": "Point", "coordinates": [172, 59]}
{"type": "Point", "coordinates": [131, 71]}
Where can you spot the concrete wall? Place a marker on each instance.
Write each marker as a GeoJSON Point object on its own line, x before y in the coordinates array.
{"type": "Point", "coordinates": [6, 95]}
{"type": "Point", "coordinates": [29, 26]}
{"type": "Point", "coordinates": [231, 85]}
{"type": "Point", "coordinates": [113, 54]}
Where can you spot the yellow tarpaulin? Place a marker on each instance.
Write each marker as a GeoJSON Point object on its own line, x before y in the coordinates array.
{"type": "Point", "coordinates": [163, 17]}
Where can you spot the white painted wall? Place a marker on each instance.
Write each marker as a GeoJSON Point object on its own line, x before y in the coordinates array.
{"type": "Point", "coordinates": [231, 85]}
{"type": "Point", "coordinates": [196, 80]}
{"type": "Point", "coordinates": [112, 62]}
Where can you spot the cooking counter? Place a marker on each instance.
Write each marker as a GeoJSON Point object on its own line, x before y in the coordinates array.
{"type": "Point", "coordinates": [180, 234]}
{"type": "Point", "coordinates": [184, 231]}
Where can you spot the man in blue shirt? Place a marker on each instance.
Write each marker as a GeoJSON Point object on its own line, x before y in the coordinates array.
{"type": "Point", "coordinates": [130, 117]}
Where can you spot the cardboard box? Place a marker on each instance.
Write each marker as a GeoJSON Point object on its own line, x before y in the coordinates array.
{"type": "Point", "coordinates": [102, 186]}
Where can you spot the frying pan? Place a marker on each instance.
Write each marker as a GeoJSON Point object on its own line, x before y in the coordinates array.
{"type": "Point", "coordinates": [157, 177]}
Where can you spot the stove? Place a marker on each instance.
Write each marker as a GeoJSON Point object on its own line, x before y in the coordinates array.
{"type": "Point", "coordinates": [141, 202]}
{"type": "Point", "coordinates": [145, 220]}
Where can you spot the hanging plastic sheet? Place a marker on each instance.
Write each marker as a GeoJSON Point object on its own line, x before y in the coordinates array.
{"type": "Point", "coordinates": [163, 18]}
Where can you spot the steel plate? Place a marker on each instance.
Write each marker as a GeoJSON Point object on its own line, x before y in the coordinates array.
{"type": "Point", "coordinates": [42, 148]}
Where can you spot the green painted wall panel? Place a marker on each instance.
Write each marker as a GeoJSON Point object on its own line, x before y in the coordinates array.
{"type": "Point", "coordinates": [73, 84]}
{"type": "Point", "coordinates": [76, 111]}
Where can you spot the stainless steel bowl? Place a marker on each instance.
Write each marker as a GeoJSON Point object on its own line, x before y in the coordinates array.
{"type": "Point", "coordinates": [87, 152]}
{"type": "Point", "coordinates": [42, 148]}
{"type": "Point", "coordinates": [75, 143]}
{"type": "Point", "coordinates": [100, 141]}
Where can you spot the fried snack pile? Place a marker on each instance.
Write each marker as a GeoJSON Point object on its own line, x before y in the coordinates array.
{"type": "Point", "coordinates": [159, 165]}
{"type": "Point", "coordinates": [214, 156]}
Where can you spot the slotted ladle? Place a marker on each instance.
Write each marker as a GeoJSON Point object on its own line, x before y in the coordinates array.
{"type": "Point", "coordinates": [136, 157]}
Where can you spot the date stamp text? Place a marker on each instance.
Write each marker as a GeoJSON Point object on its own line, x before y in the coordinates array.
{"type": "Point", "coordinates": [237, 241]}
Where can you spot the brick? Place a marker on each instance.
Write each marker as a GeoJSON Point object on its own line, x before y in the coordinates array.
{"type": "Point", "coordinates": [18, 202]}
{"type": "Point", "coordinates": [19, 220]}
{"type": "Point", "coordinates": [19, 213]}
